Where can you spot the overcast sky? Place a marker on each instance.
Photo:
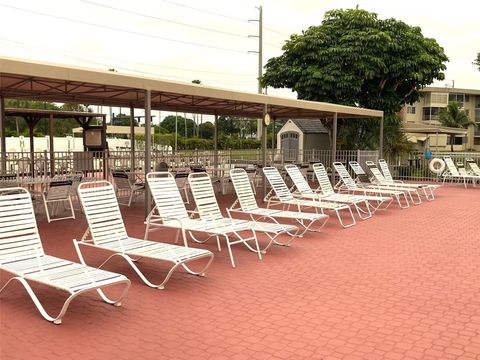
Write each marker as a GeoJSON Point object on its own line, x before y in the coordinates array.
{"type": "Point", "coordinates": [208, 40]}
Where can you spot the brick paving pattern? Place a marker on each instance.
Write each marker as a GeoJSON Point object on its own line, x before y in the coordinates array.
{"type": "Point", "coordinates": [402, 285]}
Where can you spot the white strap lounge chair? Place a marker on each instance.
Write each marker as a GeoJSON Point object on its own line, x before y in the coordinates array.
{"type": "Point", "coordinates": [208, 210]}
{"type": "Point", "coordinates": [247, 204]}
{"type": "Point", "coordinates": [364, 180]}
{"type": "Point", "coordinates": [370, 203]}
{"type": "Point", "coordinates": [474, 169]}
{"type": "Point", "coordinates": [453, 174]}
{"type": "Point", "coordinates": [304, 191]}
{"type": "Point", "coordinates": [425, 189]}
{"type": "Point", "coordinates": [428, 189]}
{"type": "Point", "coordinates": [107, 231]}
{"type": "Point", "coordinates": [170, 212]}
{"type": "Point", "coordinates": [22, 256]}
{"type": "Point", "coordinates": [350, 186]}
{"type": "Point", "coordinates": [281, 195]}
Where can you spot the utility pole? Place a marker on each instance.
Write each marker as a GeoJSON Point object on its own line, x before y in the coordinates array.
{"type": "Point", "coordinates": [260, 61]}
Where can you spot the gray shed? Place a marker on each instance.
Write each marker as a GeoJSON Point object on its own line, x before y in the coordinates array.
{"type": "Point", "coordinates": [298, 136]}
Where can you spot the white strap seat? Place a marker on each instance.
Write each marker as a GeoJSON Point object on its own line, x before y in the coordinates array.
{"type": "Point", "coordinates": [208, 210]}
{"type": "Point", "coordinates": [107, 231]}
{"type": "Point", "coordinates": [304, 197]}
{"type": "Point", "coordinates": [22, 255]}
{"type": "Point", "coordinates": [352, 187]}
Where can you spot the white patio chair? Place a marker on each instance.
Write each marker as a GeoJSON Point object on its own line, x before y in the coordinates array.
{"type": "Point", "coordinates": [425, 189]}
{"type": "Point", "coordinates": [303, 191]}
{"type": "Point", "coordinates": [23, 257]}
{"type": "Point", "coordinates": [247, 204]}
{"type": "Point", "coordinates": [364, 180]}
{"type": "Point", "coordinates": [106, 231]}
{"type": "Point", "coordinates": [58, 197]}
{"type": "Point", "coordinates": [208, 210]}
{"type": "Point", "coordinates": [125, 187]}
{"type": "Point", "coordinates": [452, 173]}
{"type": "Point", "coordinates": [474, 169]}
{"type": "Point", "coordinates": [170, 212]}
{"type": "Point", "coordinates": [326, 192]}
{"type": "Point", "coordinates": [281, 195]}
{"type": "Point", "coordinates": [350, 186]}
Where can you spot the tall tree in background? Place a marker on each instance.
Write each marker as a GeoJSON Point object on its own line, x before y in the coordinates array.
{"type": "Point", "coordinates": [453, 116]}
{"type": "Point", "coordinates": [477, 61]}
{"type": "Point", "coordinates": [354, 58]}
{"type": "Point", "coordinates": [168, 124]}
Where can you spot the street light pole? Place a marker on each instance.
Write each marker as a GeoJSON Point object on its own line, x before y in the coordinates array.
{"type": "Point", "coordinates": [260, 61]}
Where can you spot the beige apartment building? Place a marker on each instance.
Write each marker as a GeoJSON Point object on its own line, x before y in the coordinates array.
{"type": "Point", "coordinates": [422, 125]}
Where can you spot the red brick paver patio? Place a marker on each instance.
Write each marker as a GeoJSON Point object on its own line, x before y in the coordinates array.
{"type": "Point", "coordinates": [402, 285]}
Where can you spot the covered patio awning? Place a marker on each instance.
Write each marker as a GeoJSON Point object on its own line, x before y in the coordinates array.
{"type": "Point", "coordinates": [22, 79]}
{"type": "Point", "coordinates": [40, 81]}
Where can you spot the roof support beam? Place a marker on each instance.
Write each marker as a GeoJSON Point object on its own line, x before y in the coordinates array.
{"type": "Point", "coordinates": [3, 142]}
{"type": "Point", "coordinates": [148, 145]}
{"type": "Point", "coordinates": [380, 145]}
{"type": "Point", "coordinates": [334, 145]}
{"type": "Point", "coordinates": [50, 145]}
{"type": "Point", "coordinates": [264, 151]}
{"type": "Point", "coordinates": [215, 142]}
{"type": "Point", "coordinates": [132, 139]}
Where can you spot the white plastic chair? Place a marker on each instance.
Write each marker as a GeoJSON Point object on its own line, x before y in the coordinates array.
{"type": "Point", "coordinates": [22, 256]}
{"type": "Point", "coordinates": [106, 231]}
{"type": "Point", "coordinates": [247, 204]}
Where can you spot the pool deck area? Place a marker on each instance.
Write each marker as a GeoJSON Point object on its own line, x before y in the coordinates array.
{"type": "Point", "coordinates": [402, 285]}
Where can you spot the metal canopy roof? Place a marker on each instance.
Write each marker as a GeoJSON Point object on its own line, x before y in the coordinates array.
{"type": "Point", "coordinates": [41, 81]}
{"type": "Point", "coordinates": [22, 112]}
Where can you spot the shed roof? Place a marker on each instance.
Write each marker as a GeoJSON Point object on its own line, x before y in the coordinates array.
{"type": "Point", "coordinates": [52, 82]}
{"type": "Point", "coordinates": [310, 126]}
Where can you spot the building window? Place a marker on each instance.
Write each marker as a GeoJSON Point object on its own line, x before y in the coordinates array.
{"type": "Point", "coordinates": [459, 98]}
{"type": "Point", "coordinates": [431, 113]}
{"type": "Point", "coordinates": [410, 109]}
{"type": "Point", "coordinates": [476, 141]}
{"type": "Point", "coordinates": [457, 140]}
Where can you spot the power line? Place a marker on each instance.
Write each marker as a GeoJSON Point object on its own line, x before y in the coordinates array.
{"type": "Point", "coordinates": [122, 30]}
{"type": "Point", "coordinates": [76, 53]}
{"type": "Point", "coordinates": [162, 19]}
{"type": "Point", "coordinates": [204, 11]}
{"type": "Point", "coordinates": [107, 65]}
{"type": "Point", "coordinates": [277, 32]}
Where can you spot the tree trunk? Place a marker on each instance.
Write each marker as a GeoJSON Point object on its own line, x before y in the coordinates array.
{"type": "Point", "coordinates": [452, 138]}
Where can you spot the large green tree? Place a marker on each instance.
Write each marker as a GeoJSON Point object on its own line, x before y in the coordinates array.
{"type": "Point", "coordinates": [453, 116]}
{"type": "Point", "coordinates": [169, 124]}
{"type": "Point", "coordinates": [354, 58]}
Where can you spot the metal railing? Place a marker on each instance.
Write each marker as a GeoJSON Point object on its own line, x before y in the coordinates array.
{"type": "Point", "coordinates": [97, 164]}
{"type": "Point", "coordinates": [414, 165]}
